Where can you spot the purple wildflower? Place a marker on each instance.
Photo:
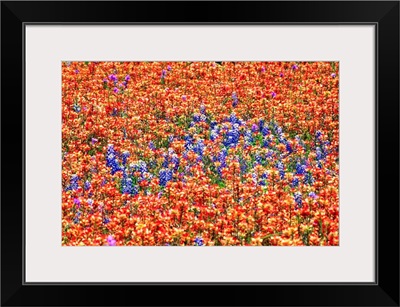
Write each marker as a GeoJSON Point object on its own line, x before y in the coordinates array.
{"type": "Point", "coordinates": [113, 77]}
{"type": "Point", "coordinates": [111, 241]}
{"type": "Point", "coordinates": [313, 195]}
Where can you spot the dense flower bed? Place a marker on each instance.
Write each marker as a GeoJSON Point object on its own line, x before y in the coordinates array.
{"type": "Point", "coordinates": [200, 153]}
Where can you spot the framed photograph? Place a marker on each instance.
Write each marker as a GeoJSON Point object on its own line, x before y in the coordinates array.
{"type": "Point", "coordinates": [211, 153]}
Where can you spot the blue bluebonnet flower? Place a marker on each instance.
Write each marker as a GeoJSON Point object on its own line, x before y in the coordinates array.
{"type": "Point", "coordinates": [111, 154]}
{"type": "Point", "coordinates": [282, 139]}
{"type": "Point", "coordinates": [222, 157]}
{"type": "Point", "coordinates": [258, 158]}
{"type": "Point", "coordinates": [73, 183]}
{"type": "Point", "coordinates": [198, 241]}
{"type": "Point", "coordinates": [243, 166]}
{"type": "Point", "coordinates": [232, 137]}
{"type": "Point", "coordinates": [76, 218]}
{"type": "Point", "coordinates": [300, 169]}
{"type": "Point", "coordinates": [254, 177]}
{"type": "Point", "coordinates": [111, 159]}
{"type": "Point", "coordinates": [222, 160]}
{"type": "Point", "coordinates": [125, 156]}
{"type": "Point", "coordinates": [289, 147]}
{"type": "Point", "coordinates": [281, 169]}
{"type": "Point", "coordinates": [76, 107]}
{"type": "Point", "coordinates": [233, 119]}
{"type": "Point", "coordinates": [308, 179]}
{"type": "Point", "coordinates": [266, 142]}
{"type": "Point", "coordinates": [175, 161]}
{"type": "Point", "coordinates": [114, 112]}
{"type": "Point", "coordinates": [318, 134]}
{"type": "Point", "coordinates": [264, 178]}
{"type": "Point", "coordinates": [87, 185]}
{"type": "Point", "coordinates": [196, 117]}
{"type": "Point", "coordinates": [319, 154]}
{"type": "Point", "coordinates": [235, 99]}
{"type": "Point", "coordinates": [166, 161]}
{"type": "Point", "coordinates": [165, 175]}
{"type": "Point", "coordinates": [202, 109]}
{"type": "Point", "coordinates": [261, 123]}
{"type": "Point", "coordinates": [269, 155]}
{"type": "Point", "coordinates": [188, 142]}
{"type": "Point", "coordinates": [129, 188]}
{"type": "Point", "coordinates": [248, 138]}
{"type": "Point", "coordinates": [254, 128]}
{"type": "Point", "coordinates": [298, 199]}
{"type": "Point", "coordinates": [106, 220]}
{"type": "Point", "coordinates": [214, 134]}
{"type": "Point", "coordinates": [141, 166]}
{"type": "Point", "coordinates": [151, 145]}
{"type": "Point", "coordinates": [278, 129]}
{"type": "Point", "coordinates": [163, 74]}
{"type": "Point", "coordinates": [295, 182]}
{"type": "Point", "coordinates": [199, 147]}
{"type": "Point", "coordinates": [265, 131]}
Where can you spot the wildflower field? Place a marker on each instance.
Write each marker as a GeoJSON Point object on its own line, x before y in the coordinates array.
{"type": "Point", "coordinates": [200, 153]}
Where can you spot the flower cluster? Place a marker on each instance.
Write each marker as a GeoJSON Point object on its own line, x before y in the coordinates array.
{"type": "Point", "coordinates": [200, 154]}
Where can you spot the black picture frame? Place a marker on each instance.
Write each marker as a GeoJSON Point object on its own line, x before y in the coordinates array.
{"type": "Point", "coordinates": [383, 14]}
